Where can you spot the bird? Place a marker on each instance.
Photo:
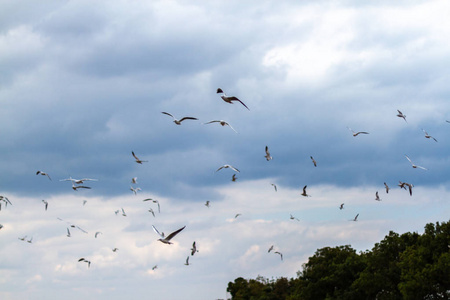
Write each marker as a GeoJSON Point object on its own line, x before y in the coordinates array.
{"type": "Point", "coordinates": [281, 254]}
{"type": "Point", "coordinates": [176, 121]}
{"type": "Point", "coordinates": [76, 187]}
{"type": "Point", "coordinates": [115, 249]}
{"type": "Point", "coordinates": [84, 202]}
{"type": "Point", "coordinates": [46, 204]}
{"type": "Point", "coordinates": [123, 212]}
{"type": "Point", "coordinates": [22, 238]}
{"type": "Point", "coordinates": [97, 233]}
{"type": "Point", "coordinates": [221, 122]}
{"type": "Point", "coordinates": [78, 181]}
{"type": "Point", "coordinates": [187, 261]}
{"type": "Point", "coordinates": [134, 180]}
{"type": "Point", "coordinates": [401, 115]}
{"type": "Point", "coordinates": [233, 178]}
{"type": "Point", "coordinates": [274, 186]}
{"type": "Point", "coordinates": [341, 206]}
{"type": "Point", "coordinates": [293, 218]}
{"type": "Point", "coordinates": [116, 212]}
{"type": "Point", "coordinates": [72, 225]}
{"type": "Point", "coordinates": [357, 133]}
{"type": "Point", "coordinates": [270, 249]}
{"type": "Point", "coordinates": [237, 215]}
{"type": "Point", "coordinates": [154, 201]}
{"type": "Point", "coordinates": [151, 210]}
{"type": "Point", "coordinates": [386, 187]}
{"type": "Point", "coordinates": [377, 198]}
{"type": "Point", "coordinates": [413, 165]}
{"type": "Point", "coordinates": [207, 203]}
{"type": "Point", "coordinates": [226, 167]}
{"type": "Point", "coordinates": [166, 240]}
{"type": "Point", "coordinates": [267, 156]}
{"type": "Point", "coordinates": [85, 260]}
{"type": "Point", "coordinates": [403, 185]}
{"type": "Point", "coordinates": [193, 249]}
{"type": "Point", "coordinates": [134, 190]}
{"type": "Point", "coordinates": [43, 174]}
{"type": "Point", "coordinates": [229, 99]}
{"type": "Point", "coordinates": [304, 192]}
{"type": "Point", "coordinates": [154, 267]}
{"type": "Point", "coordinates": [68, 232]}
{"type": "Point", "coordinates": [428, 136]}
{"type": "Point", "coordinates": [139, 161]}
{"type": "Point", "coordinates": [30, 240]}
{"type": "Point", "coordinates": [314, 161]}
{"type": "Point", "coordinates": [356, 218]}
{"type": "Point", "coordinates": [6, 200]}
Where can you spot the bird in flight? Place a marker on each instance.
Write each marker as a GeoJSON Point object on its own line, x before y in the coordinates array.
{"type": "Point", "coordinates": [166, 240]}
{"type": "Point", "coordinates": [68, 232]}
{"type": "Point", "coordinates": [193, 249]}
{"type": "Point", "coordinates": [304, 192]}
{"type": "Point", "coordinates": [221, 122]}
{"type": "Point", "coordinates": [207, 204]}
{"type": "Point", "coordinates": [151, 210]}
{"type": "Point", "coordinates": [386, 187]}
{"type": "Point", "coordinates": [341, 206]}
{"type": "Point", "coordinates": [46, 204]}
{"type": "Point", "coordinates": [281, 255]}
{"type": "Point", "coordinates": [401, 115]}
{"type": "Point", "coordinates": [270, 249]}
{"type": "Point", "coordinates": [187, 261]}
{"type": "Point", "coordinates": [154, 267]}
{"type": "Point", "coordinates": [377, 198]}
{"type": "Point", "coordinates": [293, 218]}
{"type": "Point", "coordinates": [85, 260]}
{"type": "Point", "coordinates": [413, 165]}
{"type": "Point", "coordinates": [314, 161]}
{"type": "Point", "coordinates": [233, 178]}
{"type": "Point", "coordinates": [267, 156]}
{"type": "Point", "coordinates": [134, 190]}
{"type": "Point", "coordinates": [22, 238]}
{"type": "Point", "coordinates": [154, 201]}
{"type": "Point", "coordinates": [357, 133]}
{"type": "Point", "coordinates": [78, 181]}
{"type": "Point", "coordinates": [115, 249]}
{"type": "Point", "coordinates": [356, 218]}
{"type": "Point", "coordinates": [274, 186]}
{"type": "Point", "coordinates": [123, 212]}
{"type": "Point", "coordinates": [178, 122]}
{"type": "Point", "coordinates": [229, 99]}
{"type": "Point", "coordinates": [134, 180]}
{"type": "Point", "coordinates": [403, 185]}
{"type": "Point", "coordinates": [226, 167]}
{"type": "Point", "coordinates": [97, 233]}
{"type": "Point", "coordinates": [428, 136]}
{"type": "Point", "coordinates": [139, 161]}
{"type": "Point", "coordinates": [43, 174]}
{"type": "Point", "coordinates": [237, 215]}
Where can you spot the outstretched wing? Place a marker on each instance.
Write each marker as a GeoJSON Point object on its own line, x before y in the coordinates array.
{"type": "Point", "coordinates": [156, 230]}
{"type": "Point", "coordinates": [170, 236]}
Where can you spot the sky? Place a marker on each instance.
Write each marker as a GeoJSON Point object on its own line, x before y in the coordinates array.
{"type": "Point", "coordinates": [83, 84]}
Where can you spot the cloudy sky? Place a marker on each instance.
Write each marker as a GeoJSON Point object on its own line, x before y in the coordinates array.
{"type": "Point", "coordinates": [83, 84]}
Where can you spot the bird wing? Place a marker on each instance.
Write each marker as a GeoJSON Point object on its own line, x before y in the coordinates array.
{"type": "Point", "coordinates": [408, 159]}
{"type": "Point", "coordinates": [188, 118]}
{"type": "Point", "coordinates": [215, 121]}
{"type": "Point", "coordinates": [156, 230]}
{"type": "Point", "coordinates": [236, 99]}
{"type": "Point", "coordinates": [166, 113]}
{"type": "Point", "coordinates": [233, 168]}
{"type": "Point", "coordinates": [170, 236]}
{"type": "Point", "coordinates": [134, 155]}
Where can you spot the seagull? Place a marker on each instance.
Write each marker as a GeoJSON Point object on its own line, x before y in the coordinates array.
{"type": "Point", "coordinates": [76, 187]}
{"type": "Point", "coordinates": [85, 260]}
{"type": "Point", "coordinates": [30, 240]}
{"type": "Point", "coordinates": [134, 180]}
{"type": "Point", "coordinates": [123, 213]}
{"type": "Point", "coordinates": [178, 122]}
{"type": "Point", "coordinates": [267, 156]}
{"type": "Point", "coordinates": [73, 225]}
{"type": "Point", "coordinates": [84, 202]}
{"type": "Point", "coordinates": [134, 190]}
{"type": "Point", "coordinates": [151, 210]}
{"type": "Point", "coordinates": [356, 218]}
{"type": "Point", "coordinates": [403, 185]}
{"type": "Point", "coordinates": [154, 267]}
{"type": "Point", "coordinates": [377, 198]}
{"type": "Point", "coordinates": [115, 249]}
{"type": "Point", "coordinates": [413, 165]}
{"type": "Point", "coordinates": [270, 249]}
{"type": "Point", "coordinates": [166, 240]}
{"type": "Point", "coordinates": [97, 233]}
{"type": "Point", "coordinates": [304, 192]}
{"type": "Point", "coordinates": [78, 181]}
{"type": "Point", "coordinates": [221, 122]}
{"type": "Point", "coordinates": [229, 99]}
{"type": "Point", "coordinates": [116, 212]}
{"type": "Point", "coordinates": [341, 206]}
{"type": "Point", "coordinates": [193, 249]}
{"type": "Point", "coordinates": [274, 186]}
{"type": "Point", "coordinates": [357, 133]}
{"type": "Point", "coordinates": [68, 232]}
{"type": "Point", "coordinates": [428, 136]}
{"type": "Point", "coordinates": [154, 201]}
{"type": "Point", "coordinates": [314, 161]}
{"type": "Point", "coordinates": [22, 238]}
{"type": "Point", "coordinates": [6, 200]}
{"type": "Point", "coordinates": [137, 159]}
{"type": "Point", "coordinates": [293, 218]}
{"type": "Point", "coordinates": [226, 167]}
{"type": "Point", "coordinates": [281, 255]}
{"type": "Point", "coordinates": [207, 204]}
{"type": "Point", "coordinates": [187, 261]}
{"type": "Point", "coordinates": [387, 187]}
{"type": "Point", "coordinates": [46, 204]}
{"type": "Point", "coordinates": [43, 173]}
{"type": "Point", "coordinates": [233, 178]}
{"type": "Point", "coordinates": [401, 115]}
{"type": "Point", "coordinates": [237, 215]}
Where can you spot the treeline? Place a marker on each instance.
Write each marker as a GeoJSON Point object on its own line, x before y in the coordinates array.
{"type": "Point", "coordinates": [407, 266]}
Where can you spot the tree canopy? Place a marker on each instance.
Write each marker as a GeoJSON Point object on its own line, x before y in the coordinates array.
{"type": "Point", "coordinates": [406, 266]}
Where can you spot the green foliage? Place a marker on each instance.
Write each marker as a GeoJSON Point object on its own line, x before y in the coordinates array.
{"type": "Point", "coordinates": [407, 266]}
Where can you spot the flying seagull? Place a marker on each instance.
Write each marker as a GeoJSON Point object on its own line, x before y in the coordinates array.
{"type": "Point", "coordinates": [46, 204]}
{"type": "Point", "coordinates": [137, 159]}
{"type": "Point", "coordinates": [193, 249]}
{"type": "Point", "coordinates": [413, 165]}
{"type": "Point", "coordinates": [267, 156]}
{"type": "Point", "coordinates": [281, 255]}
{"type": "Point", "coordinates": [221, 122]}
{"type": "Point", "coordinates": [43, 174]}
{"type": "Point", "coordinates": [341, 206]}
{"type": "Point", "coordinates": [123, 212]}
{"type": "Point", "coordinates": [134, 180]}
{"type": "Point", "coordinates": [356, 218]}
{"type": "Point", "coordinates": [30, 240]}
{"type": "Point", "coordinates": [154, 201]}
{"type": "Point", "coordinates": [237, 215]}
{"type": "Point", "coordinates": [134, 190]}
{"type": "Point", "coordinates": [68, 232]}
{"type": "Point", "coordinates": [22, 238]}
{"type": "Point", "coordinates": [226, 167]}
{"type": "Point", "coordinates": [78, 181]}
{"type": "Point", "coordinates": [304, 192]}
{"type": "Point", "coordinates": [401, 115]}
{"type": "Point", "coordinates": [270, 249]}
{"type": "Point", "coordinates": [386, 187]}
{"type": "Point", "coordinates": [151, 210]}
{"type": "Point", "coordinates": [233, 178]}
{"type": "Point", "coordinates": [293, 218]}
{"type": "Point", "coordinates": [154, 267]}
{"type": "Point", "coordinates": [178, 122]}
{"type": "Point", "coordinates": [229, 99]}
{"type": "Point", "coordinates": [85, 260]}
{"type": "Point", "coordinates": [115, 249]}
{"type": "Point", "coordinates": [377, 198]}
{"type": "Point", "coordinates": [357, 133]}
{"type": "Point", "coordinates": [403, 185]}
{"type": "Point", "coordinates": [428, 136]}
{"type": "Point", "coordinates": [207, 204]}
{"type": "Point", "coordinates": [166, 240]}
{"type": "Point", "coordinates": [84, 202]}
{"type": "Point", "coordinates": [274, 186]}
{"type": "Point", "coordinates": [97, 233]}
{"type": "Point", "coordinates": [187, 261]}
{"type": "Point", "coordinates": [314, 161]}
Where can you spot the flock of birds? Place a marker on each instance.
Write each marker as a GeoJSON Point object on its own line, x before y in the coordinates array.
{"type": "Point", "coordinates": [167, 239]}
